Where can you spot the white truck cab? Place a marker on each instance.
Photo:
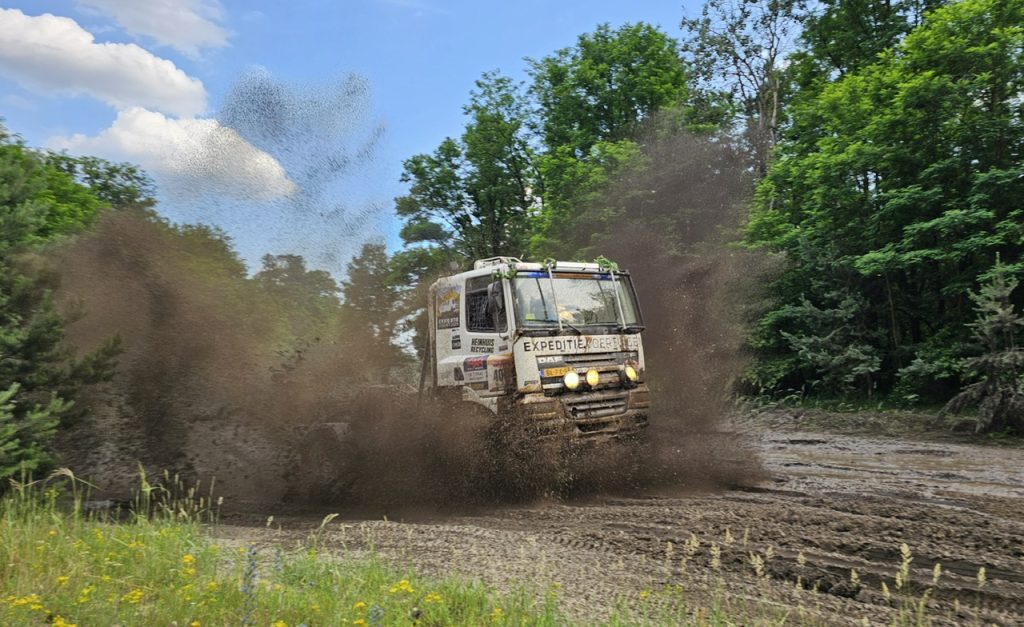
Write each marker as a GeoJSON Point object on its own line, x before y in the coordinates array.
{"type": "Point", "coordinates": [559, 342]}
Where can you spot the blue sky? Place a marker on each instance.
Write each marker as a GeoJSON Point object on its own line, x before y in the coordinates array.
{"type": "Point", "coordinates": [414, 63]}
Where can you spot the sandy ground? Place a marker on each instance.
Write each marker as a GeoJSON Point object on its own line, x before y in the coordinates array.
{"type": "Point", "coordinates": [831, 503]}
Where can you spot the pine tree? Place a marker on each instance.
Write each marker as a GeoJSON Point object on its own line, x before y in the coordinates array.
{"type": "Point", "coordinates": [998, 392]}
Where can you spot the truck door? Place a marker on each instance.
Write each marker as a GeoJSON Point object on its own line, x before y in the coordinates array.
{"type": "Point", "coordinates": [488, 367]}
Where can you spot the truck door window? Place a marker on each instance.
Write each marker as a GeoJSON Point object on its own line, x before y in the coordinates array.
{"type": "Point", "coordinates": [485, 306]}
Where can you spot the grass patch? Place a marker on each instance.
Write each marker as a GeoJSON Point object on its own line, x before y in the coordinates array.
{"type": "Point", "coordinates": [62, 566]}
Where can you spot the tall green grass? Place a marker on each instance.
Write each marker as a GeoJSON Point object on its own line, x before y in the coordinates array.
{"type": "Point", "coordinates": [61, 565]}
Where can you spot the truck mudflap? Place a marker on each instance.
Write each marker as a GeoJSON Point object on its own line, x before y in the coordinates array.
{"type": "Point", "coordinates": [595, 415]}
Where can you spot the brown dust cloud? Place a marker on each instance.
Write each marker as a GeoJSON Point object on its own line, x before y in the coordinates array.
{"type": "Point", "coordinates": [212, 386]}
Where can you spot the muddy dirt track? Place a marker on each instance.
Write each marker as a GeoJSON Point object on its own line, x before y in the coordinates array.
{"type": "Point", "coordinates": [842, 501]}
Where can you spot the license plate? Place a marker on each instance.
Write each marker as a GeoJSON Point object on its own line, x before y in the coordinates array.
{"type": "Point", "coordinates": [556, 372]}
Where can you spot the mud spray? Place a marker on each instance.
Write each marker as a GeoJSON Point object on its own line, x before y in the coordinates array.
{"type": "Point", "coordinates": [208, 387]}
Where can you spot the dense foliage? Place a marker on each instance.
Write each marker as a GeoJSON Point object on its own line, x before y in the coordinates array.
{"type": "Point", "coordinates": [533, 159]}
{"type": "Point", "coordinates": [892, 193]}
{"type": "Point", "coordinates": [885, 139]}
{"type": "Point", "coordinates": [39, 203]}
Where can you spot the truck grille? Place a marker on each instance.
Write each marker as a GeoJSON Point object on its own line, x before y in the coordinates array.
{"type": "Point", "coordinates": [591, 360]}
{"type": "Point", "coordinates": [586, 409]}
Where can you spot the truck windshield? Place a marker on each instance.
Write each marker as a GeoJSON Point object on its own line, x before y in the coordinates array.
{"type": "Point", "coordinates": [579, 299]}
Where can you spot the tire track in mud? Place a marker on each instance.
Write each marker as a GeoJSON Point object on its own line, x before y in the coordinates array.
{"type": "Point", "coordinates": [847, 503]}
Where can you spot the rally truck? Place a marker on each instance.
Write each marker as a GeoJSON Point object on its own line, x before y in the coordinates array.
{"type": "Point", "coordinates": [548, 350]}
{"type": "Point", "coordinates": [556, 344]}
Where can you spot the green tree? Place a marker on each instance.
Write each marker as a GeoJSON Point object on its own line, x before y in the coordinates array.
{"type": "Point", "coordinates": [606, 85]}
{"type": "Point", "coordinates": [38, 375]}
{"type": "Point", "coordinates": [474, 195]}
{"type": "Point", "coordinates": [307, 298]}
{"type": "Point", "coordinates": [843, 36]}
{"type": "Point", "coordinates": [998, 391]}
{"type": "Point", "coordinates": [370, 305]}
{"type": "Point", "coordinates": [116, 184]}
{"type": "Point", "coordinates": [592, 101]}
{"type": "Point", "coordinates": [898, 182]}
{"type": "Point", "coordinates": [739, 48]}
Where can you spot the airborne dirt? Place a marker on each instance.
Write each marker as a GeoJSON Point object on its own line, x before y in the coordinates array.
{"type": "Point", "coordinates": [841, 501]}
{"type": "Point", "coordinates": [212, 383]}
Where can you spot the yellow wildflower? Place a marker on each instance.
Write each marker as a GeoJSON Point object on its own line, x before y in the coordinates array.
{"type": "Point", "coordinates": [188, 559]}
{"type": "Point", "coordinates": [63, 580]}
{"type": "Point", "coordinates": [30, 599]}
{"type": "Point", "coordinates": [211, 587]}
{"type": "Point", "coordinates": [402, 586]}
{"type": "Point", "coordinates": [279, 623]}
{"type": "Point", "coordinates": [83, 594]}
{"type": "Point", "coordinates": [195, 623]}
{"type": "Point", "coordinates": [359, 621]}
{"type": "Point", "coordinates": [52, 532]}
{"type": "Point", "coordinates": [497, 614]}
{"type": "Point", "coordinates": [433, 597]}
{"type": "Point", "coordinates": [359, 606]}
{"type": "Point", "coordinates": [132, 597]}
{"type": "Point", "coordinates": [644, 594]}
{"type": "Point", "coordinates": [135, 544]}
{"type": "Point", "coordinates": [59, 621]}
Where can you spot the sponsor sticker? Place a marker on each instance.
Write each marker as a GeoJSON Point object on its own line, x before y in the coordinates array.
{"type": "Point", "coordinates": [448, 308]}
{"type": "Point", "coordinates": [581, 344]}
{"type": "Point", "coordinates": [499, 372]}
{"type": "Point", "coordinates": [475, 368]}
{"type": "Point", "coordinates": [482, 345]}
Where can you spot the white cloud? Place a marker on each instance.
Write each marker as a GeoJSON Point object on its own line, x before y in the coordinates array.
{"type": "Point", "coordinates": [196, 155]}
{"type": "Point", "coordinates": [54, 54]}
{"type": "Point", "coordinates": [186, 25]}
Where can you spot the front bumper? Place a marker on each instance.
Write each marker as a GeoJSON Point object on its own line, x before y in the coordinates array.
{"type": "Point", "coordinates": [596, 415]}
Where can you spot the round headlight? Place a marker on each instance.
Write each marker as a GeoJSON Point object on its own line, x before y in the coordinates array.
{"type": "Point", "coordinates": [571, 380]}
{"type": "Point", "coordinates": [593, 377]}
{"type": "Point", "coordinates": [631, 373]}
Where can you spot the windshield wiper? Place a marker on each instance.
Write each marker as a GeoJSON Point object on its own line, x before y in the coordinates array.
{"type": "Point", "coordinates": [574, 328]}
